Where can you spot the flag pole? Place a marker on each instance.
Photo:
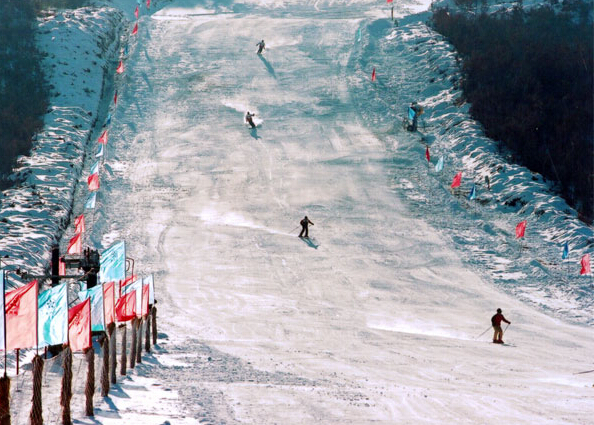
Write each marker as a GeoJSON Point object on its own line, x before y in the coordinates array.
{"type": "Point", "coordinates": [4, 315]}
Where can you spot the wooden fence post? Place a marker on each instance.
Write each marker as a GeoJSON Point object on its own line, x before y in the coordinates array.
{"type": "Point", "coordinates": [36, 415]}
{"type": "Point", "coordinates": [111, 330]}
{"type": "Point", "coordinates": [105, 369]}
{"type": "Point", "coordinates": [139, 347]}
{"type": "Point", "coordinates": [5, 400]}
{"type": "Point", "coordinates": [147, 333]}
{"type": "Point", "coordinates": [90, 386]}
{"type": "Point", "coordinates": [123, 356]}
{"type": "Point", "coordinates": [154, 314]}
{"type": "Point", "coordinates": [133, 344]}
{"type": "Point", "coordinates": [66, 393]}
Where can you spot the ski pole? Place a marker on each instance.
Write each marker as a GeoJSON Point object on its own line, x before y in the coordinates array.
{"type": "Point", "coordinates": [502, 333]}
{"type": "Point", "coordinates": [483, 332]}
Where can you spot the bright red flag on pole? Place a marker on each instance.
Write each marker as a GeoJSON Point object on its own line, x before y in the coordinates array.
{"type": "Point", "coordinates": [103, 138]}
{"type": "Point", "coordinates": [75, 245]}
{"type": "Point", "coordinates": [126, 307]}
{"type": "Point", "coordinates": [79, 326]}
{"type": "Point", "coordinates": [120, 67]}
{"type": "Point", "coordinates": [457, 180]}
{"type": "Point", "coordinates": [373, 74]}
{"type": "Point", "coordinates": [79, 224]}
{"type": "Point", "coordinates": [135, 29]}
{"type": "Point", "coordinates": [136, 12]}
{"type": "Point", "coordinates": [93, 182]}
{"type": "Point", "coordinates": [427, 154]}
{"type": "Point", "coordinates": [520, 229]}
{"type": "Point", "coordinates": [585, 264]}
{"type": "Point", "coordinates": [388, 1]}
{"type": "Point", "coordinates": [115, 98]}
{"type": "Point", "coordinates": [148, 4]}
{"type": "Point", "coordinates": [109, 302]}
{"type": "Point", "coordinates": [21, 317]}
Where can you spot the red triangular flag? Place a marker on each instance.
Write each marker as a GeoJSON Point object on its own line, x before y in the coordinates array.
{"type": "Point", "coordinates": [373, 74]}
{"type": "Point", "coordinates": [75, 245]}
{"type": "Point", "coordinates": [136, 12]}
{"type": "Point", "coordinates": [427, 154]}
{"type": "Point", "coordinates": [148, 4]}
{"type": "Point", "coordinates": [103, 138]}
{"type": "Point", "coordinates": [79, 224]}
{"type": "Point", "coordinates": [93, 182]}
{"type": "Point", "coordinates": [520, 229]}
{"type": "Point", "coordinates": [79, 326]}
{"type": "Point", "coordinates": [457, 180]}
{"type": "Point", "coordinates": [115, 98]}
{"type": "Point", "coordinates": [585, 264]}
{"type": "Point", "coordinates": [126, 307]}
{"type": "Point", "coordinates": [21, 317]}
{"type": "Point", "coordinates": [120, 68]}
{"type": "Point", "coordinates": [109, 302]}
{"type": "Point", "coordinates": [135, 29]}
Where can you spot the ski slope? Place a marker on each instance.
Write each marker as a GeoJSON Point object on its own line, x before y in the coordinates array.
{"type": "Point", "coordinates": [376, 319]}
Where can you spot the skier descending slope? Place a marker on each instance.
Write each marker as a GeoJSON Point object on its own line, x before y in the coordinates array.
{"type": "Point", "coordinates": [496, 322]}
{"type": "Point", "coordinates": [249, 118]}
{"type": "Point", "coordinates": [261, 47]}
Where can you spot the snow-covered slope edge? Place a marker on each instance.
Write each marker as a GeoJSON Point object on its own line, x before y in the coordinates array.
{"type": "Point", "coordinates": [416, 64]}
{"type": "Point", "coordinates": [81, 48]}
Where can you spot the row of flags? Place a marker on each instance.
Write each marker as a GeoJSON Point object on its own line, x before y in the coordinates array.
{"type": "Point", "coordinates": [32, 320]}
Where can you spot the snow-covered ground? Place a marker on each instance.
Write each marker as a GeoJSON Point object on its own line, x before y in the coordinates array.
{"type": "Point", "coordinates": [377, 318]}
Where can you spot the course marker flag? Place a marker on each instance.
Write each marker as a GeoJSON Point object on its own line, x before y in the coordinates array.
{"type": "Point", "coordinates": [103, 138]}
{"type": "Point", "coordinates": [120, 67]}
{"type": "Point", "coordinates": [565, 251]}
{"type": "Point", "coordinates": [585, 264]}
{"type": "Point", "coordinates": [126, 307]}
{"type": "Point", "coordinates": [136, 12]}
{"type": "Point", "coordinates": [97, 310]}
{"type": "Point", "coordinates": [75, 245]}
{"type": "Point", "coordinates": [90, 204]}
{"type": "Point", "coordinates": [79, 224]}
{"type": "Point", "coordinates": [427, 154]}
{"type": "Point", "coordinates": [53, 316]}
{"type": "Point", "coordinates": [93, 182]}
{"type": "Point", "coordinates": [373, 74]}
{"type": "Point", "coordinates": [135, 29]}
{"type": "Point", "coordinates": [113, 263]}
{"type": "Point", "coordinates": [439, 165]}
{"type": "Point", "coordinates": [520, 229]}
{"type": "Point", "coordinates": [457, 180]}
{"type": "Point", "coordinates": [79, 326]}
{"type": "Point", "coordinates": [472, 194]}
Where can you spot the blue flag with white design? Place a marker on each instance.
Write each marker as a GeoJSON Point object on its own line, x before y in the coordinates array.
{"type": "Point", "coordinates": [411, 113]}
{"type": "Point", "coordinates": [90, 203]}
{"type": "Point", "coordinates": [108, 121]}
{"type": "Point", "coordinates": [113, 263]}
{"type": "Point", "coordinates": [472, 194]}
{"type": "Point", "coordinates": [52, 316]}
{"type": "Point", "coordinates": [149, 280]}
{"type": "Point", "coordinates": [439, 165]}
{"type": "Point", "coordinates": [99, 151]}
{"type": "Point", "coordinates": [565, 251]}
{"type": "Point", "coordinates": [97, 313]}
{"type": "Point", "coordinates": [359, 35]}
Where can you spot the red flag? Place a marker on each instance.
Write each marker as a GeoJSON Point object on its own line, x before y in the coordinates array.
{"type": "Point", "coordinates": [585, 264]}
{"type": "Point", "coordinates": [21, 317]}
{"type": "Point", "coordinates": [75, 245]}
{"type": "Point", "coordinates": [136, 12]}
{"type": "Point", "coordinates": [388, 1]}
{"type": "Point", "coordinates": [373, 74]}
{"type": "Point", "coordinates": [127, 281]}
{"type": "Point", "coordinates": [79, 224]}
{"type": "Point", "coordinates": [115, 98]}
{"type": "Point", "coordinates": [103, 138]}
{"type": "Point", "coordinates": [109, 302]}
{"type": "Point", "coordinates": [61, 267]}
{"type": "Point", "coordinates": [145, 300]}
{"type": "Point", "coordinates": [520, 229]}
{"type": "Point", "coordinates": [135, 29]}
{"type": "Point", "coordinates": [126, 307]}
{"type": "Point", "coordinates": [79, 326]}
{"type": "Point", "coordinates": [457, 180]}
{"type": "Point", "coordinates": [93, 182]}
{"type": "Point", "coordinates": [120, 68]}
{"type": "Point", "coordinates": [148, 4]}
{"type": "Point", "coordinates": [427, 154]}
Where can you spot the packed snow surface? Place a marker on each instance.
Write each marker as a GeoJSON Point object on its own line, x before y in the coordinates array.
{"type": "Point", "coordinates": [377, 317]}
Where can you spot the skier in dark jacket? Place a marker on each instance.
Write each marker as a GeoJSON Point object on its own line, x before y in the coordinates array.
{"type": "Point", "coordinates": [496, 322]}
{"type": "Point", "coordinates": [261, 46]}
{"type": "Point", "coordinates": [304, 227]}
{"type": "Point", "coordinates": [249, 120]}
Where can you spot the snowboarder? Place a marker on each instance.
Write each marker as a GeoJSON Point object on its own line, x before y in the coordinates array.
{"type": "Point", "coordinates": [496, 322]}
{"type": "Point", "coordinates": [304, 227]}
{"type": "Point", "coordinates": [249, 120]}
{"type": "Point", "coordinates": [261, 46]}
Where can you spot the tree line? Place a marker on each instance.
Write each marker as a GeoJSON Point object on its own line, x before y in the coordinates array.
{"type": "Point", "coordinates": [529, 78]}
{"type": "Point", "coordinates": [24, 92]}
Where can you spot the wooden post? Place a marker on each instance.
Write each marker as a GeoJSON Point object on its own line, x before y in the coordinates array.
{"type": "Point", "coordinates": [123, 359]}
{"type": "Point", "coordinates": [36, 415]}
{"type": "Point", "coordinates": [154, 314]}
{"type": "Point", "coordinates": [105, 369]}
{"type": "Point", "coordinates": [66, 394]}
{"type": "Point", "coordinates": [111, 330]}
{"type": "Point", "coordinates": [90, 386]}
{"type": "Point", "coordinates": [5, 400]}
{"type": "Point", "coordinates": [147, 333]}
{"type": "Point", "coordinates": [133, 343]}
{"type": "Point", "coordinates": [139, 346]}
